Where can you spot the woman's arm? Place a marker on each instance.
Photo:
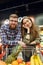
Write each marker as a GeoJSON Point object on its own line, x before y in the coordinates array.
{"type": "Point", "coordinates": [36, 41]}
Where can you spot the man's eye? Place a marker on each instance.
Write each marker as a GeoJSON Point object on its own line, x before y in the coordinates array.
{"type": "Point", "coordinates": [16, 21]}
{"type": "Point", "coordinates": [13, 21]}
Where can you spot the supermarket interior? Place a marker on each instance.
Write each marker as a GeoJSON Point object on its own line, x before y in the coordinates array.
{"type": "Point", "coordinates": [21, 32]}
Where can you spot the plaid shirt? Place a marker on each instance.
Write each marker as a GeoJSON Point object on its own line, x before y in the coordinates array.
{"type": "Point", "coordinates": [9, 36]}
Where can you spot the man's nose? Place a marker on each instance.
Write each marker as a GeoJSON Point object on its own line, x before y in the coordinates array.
{"type": "Point", "coordinates": [13, 22]}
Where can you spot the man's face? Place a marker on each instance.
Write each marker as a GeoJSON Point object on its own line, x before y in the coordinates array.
{"type": "Point", "coordinates": [13, 22]}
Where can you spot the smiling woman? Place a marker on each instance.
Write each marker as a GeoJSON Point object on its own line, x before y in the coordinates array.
{"type": "Point", "coordinates": [30, 37]}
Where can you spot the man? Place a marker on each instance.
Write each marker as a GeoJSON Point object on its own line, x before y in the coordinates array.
{"type": "Point", "coordinates": [10, 33]}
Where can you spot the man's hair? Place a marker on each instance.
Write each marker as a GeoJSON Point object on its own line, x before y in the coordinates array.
{"type": "Point", "coordinates": [13, 15]}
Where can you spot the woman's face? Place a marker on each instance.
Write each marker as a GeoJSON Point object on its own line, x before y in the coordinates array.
{"type": "Point", "coordinates": [27, 23]}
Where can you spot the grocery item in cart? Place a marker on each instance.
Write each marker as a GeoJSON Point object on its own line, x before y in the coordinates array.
{"type": "Point", "coordinates": [14, 54]}
{"type": "Point", "coordinates": [35, 60]}
{"type": "Point", "coordinates": [2, 62]}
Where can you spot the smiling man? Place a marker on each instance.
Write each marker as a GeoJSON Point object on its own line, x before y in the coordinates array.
{"type": "Point", "coordinates": [10, 33]}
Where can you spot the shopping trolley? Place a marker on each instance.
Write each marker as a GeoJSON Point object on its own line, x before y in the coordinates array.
{"type": "Point", "coordinates": [7, 47]}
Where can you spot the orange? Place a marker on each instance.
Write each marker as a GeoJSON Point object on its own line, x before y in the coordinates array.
{"type": "Point", "coordinates": [2, 62]}
{"type": "Point", "coordinates": [19, 60]}
{"type": "Point", "coordinates": [9, 64]}
{"type": "Point", "coordinates": [28, 63]}
{"type": "Point", "coordinates": [22, 64]}
{"type": "Point", "coordinates": [14, 62]}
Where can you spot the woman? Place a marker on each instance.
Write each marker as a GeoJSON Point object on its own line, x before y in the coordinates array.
{"type": "Point", "coordinates": [30, 37]}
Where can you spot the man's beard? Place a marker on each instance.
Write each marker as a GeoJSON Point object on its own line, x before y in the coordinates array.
{"type": "Point", "coordinates": [12, 27]}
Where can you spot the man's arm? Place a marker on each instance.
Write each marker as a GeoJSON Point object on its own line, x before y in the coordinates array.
{"type": "Point", "coordinates": [4, 36]}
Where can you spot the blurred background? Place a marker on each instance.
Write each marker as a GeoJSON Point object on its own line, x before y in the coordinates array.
{"type": "Point", "coordinates": [32, 8]}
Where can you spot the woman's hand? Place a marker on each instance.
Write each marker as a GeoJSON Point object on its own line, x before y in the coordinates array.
{"type": "Point", "coordinates": [26, 27]}
{"type": "Point", "coordinates": [33, 42]}
{"type": "Point", "coordinates": [22, 44]}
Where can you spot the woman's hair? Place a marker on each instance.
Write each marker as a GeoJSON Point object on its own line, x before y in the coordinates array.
{"type": "Point", "coordinates": [33, 29]}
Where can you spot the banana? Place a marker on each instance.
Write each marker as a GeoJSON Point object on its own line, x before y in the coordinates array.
{"type": "Point", "coordinates": [36, 61]}
{"type": "Point", "coordinates": [32, 60]}
{"type": "Point", "coordinates": [39, 60]}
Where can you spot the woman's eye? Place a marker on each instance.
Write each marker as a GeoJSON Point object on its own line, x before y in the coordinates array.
{"type": "Point", "coordinates": [24, 23]}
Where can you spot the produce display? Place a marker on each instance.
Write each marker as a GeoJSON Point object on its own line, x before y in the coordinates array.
{"type": "Point", "coordinates": [34, 60]}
